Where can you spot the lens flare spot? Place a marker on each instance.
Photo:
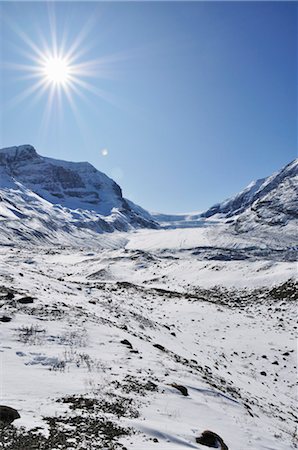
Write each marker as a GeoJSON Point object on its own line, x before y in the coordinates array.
{"type": "Point", "coordinates": [104, 152]}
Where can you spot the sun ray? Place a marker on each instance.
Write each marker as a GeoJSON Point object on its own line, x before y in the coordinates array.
{"type": "Point", "coordinates": [53, 29]}
{"type": "Point", "coordinates": [40, 85]}
{"type": "Point", "coordinates": [93, 89]}
{"type": "Point", "coordinates": [47, 111]}
{"type": "Point", "coordinates": [25, 38]}
{"type": "Point", "coordinates": [76, 50]}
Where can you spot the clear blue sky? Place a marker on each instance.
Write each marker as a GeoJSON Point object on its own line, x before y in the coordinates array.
{"type": "Point", "coordinates": [200, 98]}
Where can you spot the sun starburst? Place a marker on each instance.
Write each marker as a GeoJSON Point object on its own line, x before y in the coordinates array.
{"type": "Point", "coordinates": [58, 70]}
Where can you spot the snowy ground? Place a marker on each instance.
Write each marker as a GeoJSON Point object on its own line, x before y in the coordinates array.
{"type": "Point", "coordinates": [206, 318]}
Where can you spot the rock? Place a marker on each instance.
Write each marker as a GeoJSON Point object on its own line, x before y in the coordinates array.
{"type": "Point", "coordinates": [211, 439]}
{"type": "Point", "coordinates": [160, 347]}
{"type": "Point", "coordinates": [126, 342]}
{"type": "Point", "coordinates": [8, 415]}
{"type": "Point", "coordinates": [263, 373]}
{"type": "Point", "coordinates": [180, 388]}
{"type": "Point", "coordinates": [150, 386]}
{"type": "Point", "coordinates": [26, 300]}
{"type": "Point", "coordinates": [5, 319]}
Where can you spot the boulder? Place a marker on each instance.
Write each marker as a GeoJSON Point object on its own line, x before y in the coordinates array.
{"type": "Point", "coordinates": [211, 439]}
{"type": "Point", "coordinates": [8, 415]}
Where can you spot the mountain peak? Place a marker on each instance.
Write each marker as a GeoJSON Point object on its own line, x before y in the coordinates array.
{"type": "Point", "coordinates": [20, 153]}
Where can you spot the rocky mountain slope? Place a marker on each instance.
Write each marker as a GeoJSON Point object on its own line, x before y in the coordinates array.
{"type": "Point", "coordinates": [42, 198]}
{"type": "Point", "coordinates": [272, 200]}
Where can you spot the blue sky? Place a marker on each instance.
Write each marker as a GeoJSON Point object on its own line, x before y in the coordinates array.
{"type": "Point", "coordinates": [199, 98]}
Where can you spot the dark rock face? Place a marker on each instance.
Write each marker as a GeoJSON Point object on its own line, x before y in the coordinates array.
{"type": "Point", "coordinates": [212, 440]}
{"type": "Point", "coordinates": [8, 415]}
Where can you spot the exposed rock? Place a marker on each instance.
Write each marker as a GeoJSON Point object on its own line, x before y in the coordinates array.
{"type": "Point", "coordinates": [126, 342]}
{"type": "Point", "coordinates": [8, 415]}
{"type": "Point", "coordinates": [211, 439]}
{"type": "Point", "coordinates": [160, 347]}
{"type": "Point", "coordinates": [180, 388]}
{"type": "Point", "coordinates": [26, 300]}
{"type": "Point", "coordinates": [5, 319]}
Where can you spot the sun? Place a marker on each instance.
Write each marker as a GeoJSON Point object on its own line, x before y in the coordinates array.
{"type": "Point", "coordinates": [60, 70]}
{"type": "Point", "coordinates": [57, 70]}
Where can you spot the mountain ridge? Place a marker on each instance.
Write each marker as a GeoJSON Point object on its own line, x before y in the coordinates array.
{"type": "Point", "coordinates": [256, 190]}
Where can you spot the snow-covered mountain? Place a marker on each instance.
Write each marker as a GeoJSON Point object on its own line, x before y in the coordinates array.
{"type": "Point", "coordinates": [44, 198]}
{"type": "Point", "coordinates": [272, 199]}
{"type": "Point", "coordinates": [47, 200]}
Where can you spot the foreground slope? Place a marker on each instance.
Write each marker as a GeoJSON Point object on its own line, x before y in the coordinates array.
{"type": "Point", "coordinates": [91, 362]}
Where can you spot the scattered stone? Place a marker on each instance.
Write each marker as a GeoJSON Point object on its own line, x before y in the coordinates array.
{"type": "Point", "coordinates": [180, 388]}
{"type": "Point", "coordinates": [8, 415]}
{"type": "Point", "coordinates": [126, 342]}
{"type": "Point", "coordinates": [5, 319]}
{"type": "Point", "coordinates": [26, 300]}
{"type": "Point", "coordinates": [150, 386]}
{"type": "Point", "coordinates": [211, 439]}
{"type": "Point", "coordinates": [160, 347]}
